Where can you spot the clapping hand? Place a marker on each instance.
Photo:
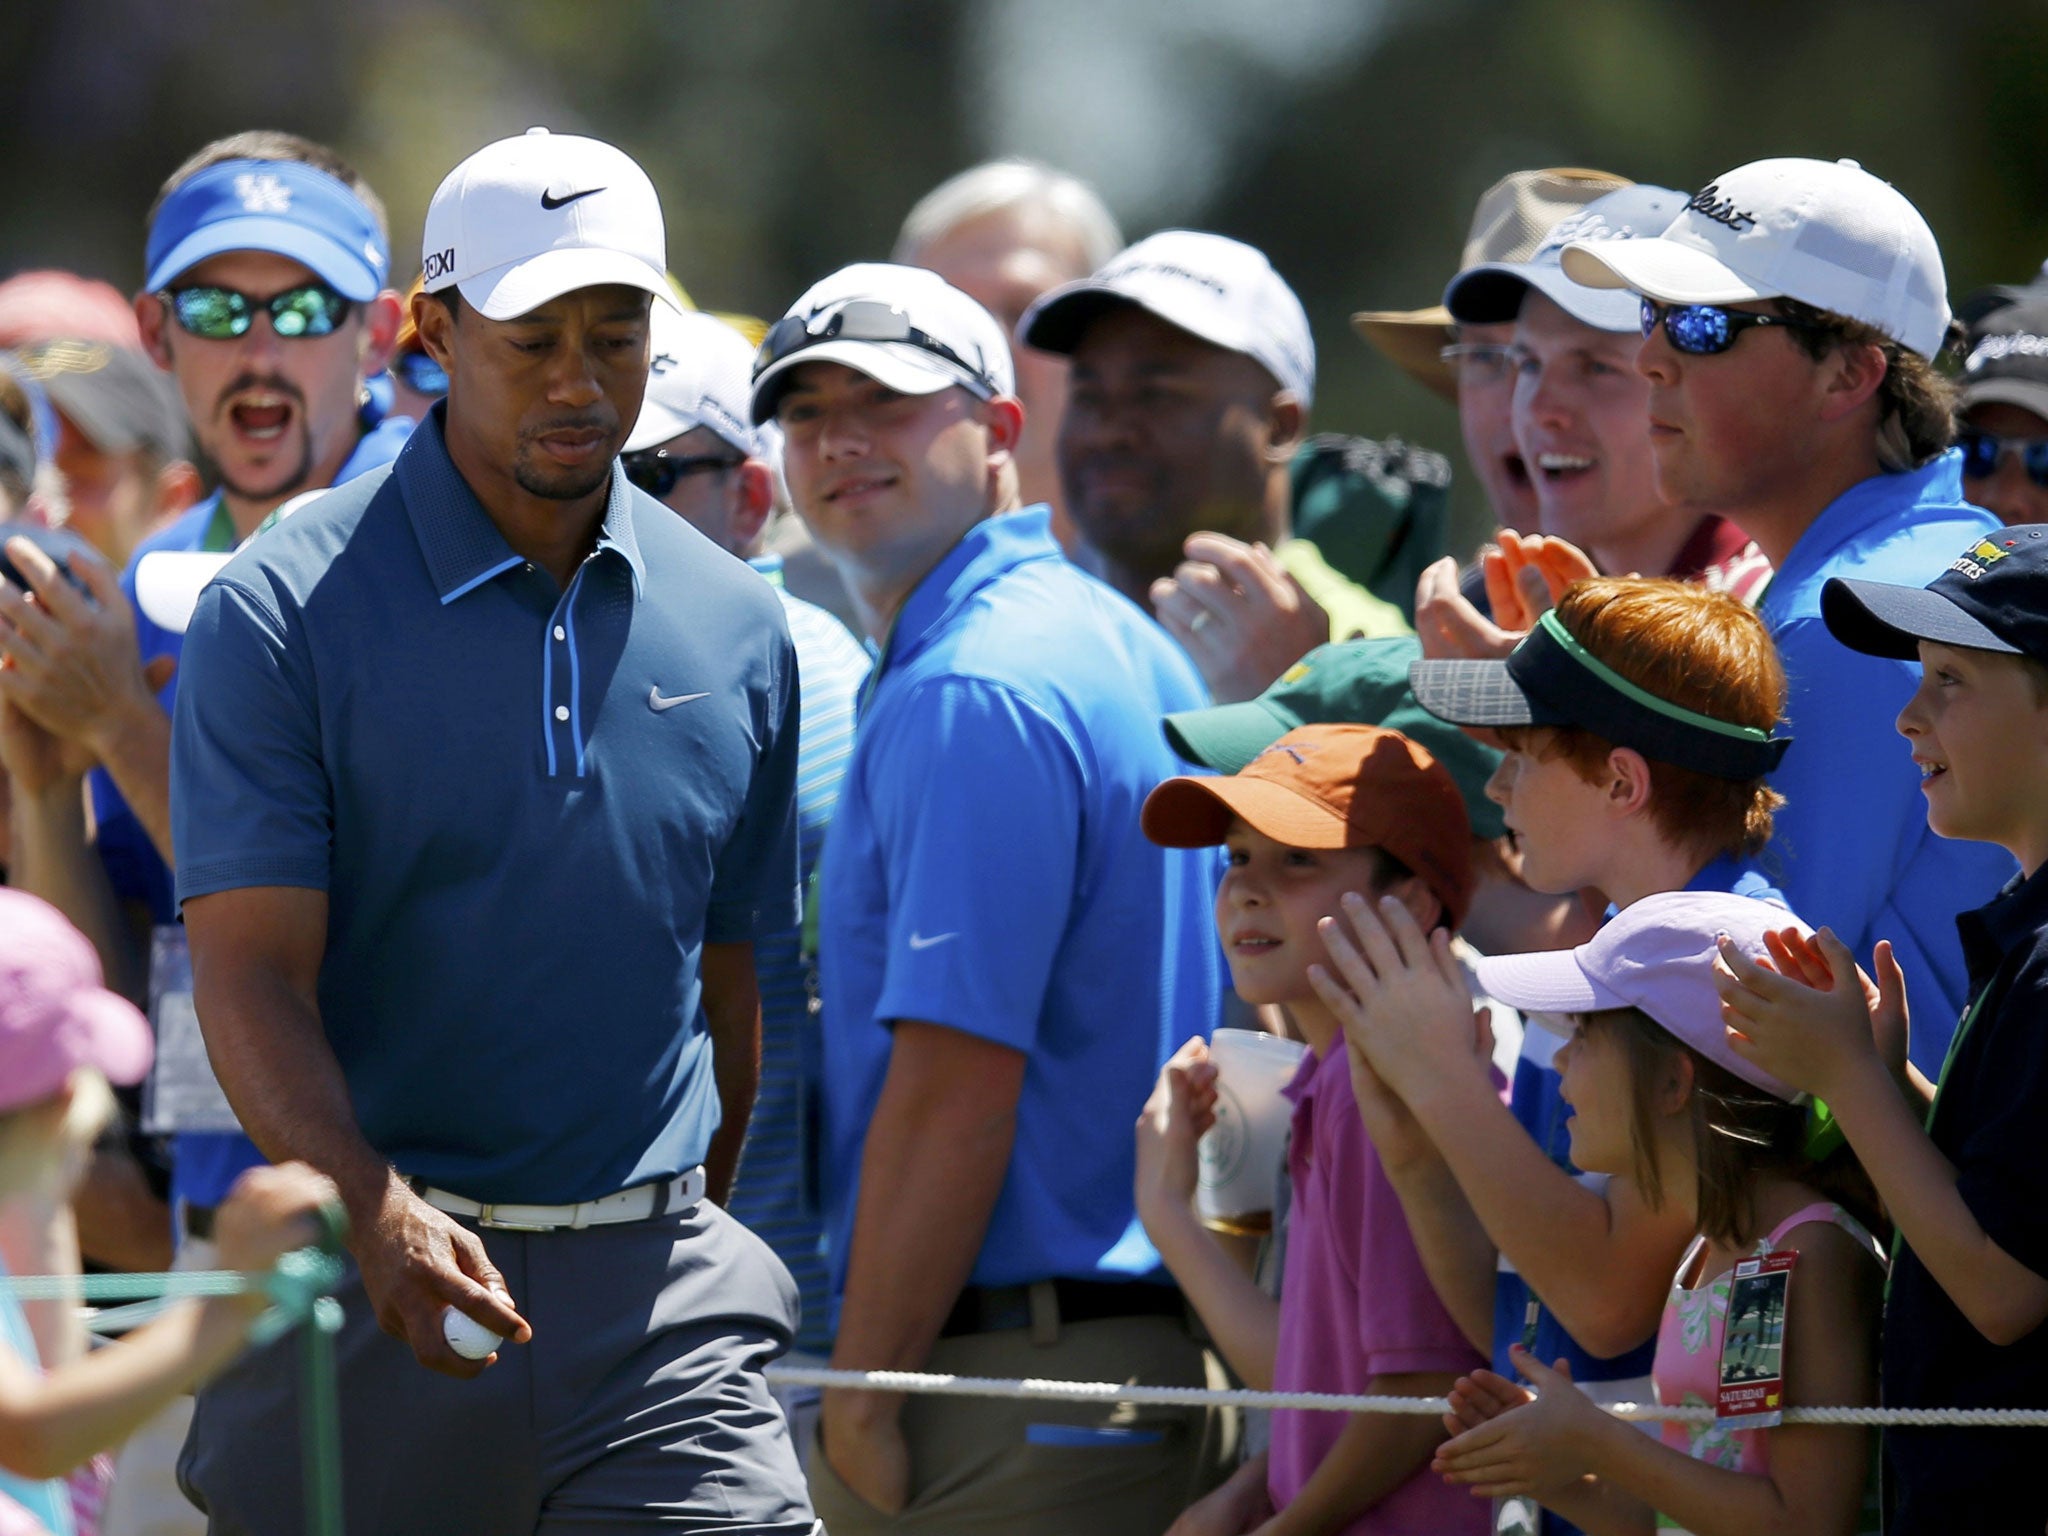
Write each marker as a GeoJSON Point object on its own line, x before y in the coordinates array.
{"type": "Point", "coordinates": [1239, 614]}
{"type": "Point", "coordinates": [1808, 1015]}
{"type": "Point", "coordinates": [1399, 995]}
{"type": "Point", "coordinates": [1508, 1441]}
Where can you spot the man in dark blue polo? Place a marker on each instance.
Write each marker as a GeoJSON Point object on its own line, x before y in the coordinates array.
{"type": "Point", "coordinates": [1006, 962]}
{"type": "Point", "coordinates": [483, 776]}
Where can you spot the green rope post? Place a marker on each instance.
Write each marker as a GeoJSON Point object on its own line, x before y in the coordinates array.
{"type": "Point", "coordinates": [299, 1289]}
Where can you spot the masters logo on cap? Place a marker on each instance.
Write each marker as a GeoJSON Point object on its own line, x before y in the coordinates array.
{"type": "Point", "coordinates": [526, 220]}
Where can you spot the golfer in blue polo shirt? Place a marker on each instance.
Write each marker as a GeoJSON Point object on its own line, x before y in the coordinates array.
{"type": "Point", "coordinates": [483, 779]}
{"type": "Point", "coordinates": [1006, 962]}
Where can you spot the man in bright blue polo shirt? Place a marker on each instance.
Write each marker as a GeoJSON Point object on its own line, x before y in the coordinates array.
{"type": "Point", "coordinates": [265, 297]}
{"type": "Point", "coordinates": [1791, 314]}
{"type": "Point", "coordinates": [1006, 962]}
{"type": "Point", "coordinates": [483, 782]}
{"type": "Point", "coordinates": [696, 452]}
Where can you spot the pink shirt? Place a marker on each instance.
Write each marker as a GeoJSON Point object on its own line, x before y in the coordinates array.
{"type": "Point", "coordinates": [1355, 1304]}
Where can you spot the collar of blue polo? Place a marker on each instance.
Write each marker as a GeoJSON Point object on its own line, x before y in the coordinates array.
{"type": "Point", "coordinates": [1568, 685]}
{"type": "Point", "coordinates": [990, 548]}
{"type": "Point", "coordinates": [463, 548]}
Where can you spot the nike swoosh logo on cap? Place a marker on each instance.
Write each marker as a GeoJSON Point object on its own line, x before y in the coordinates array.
{"type": "Point", "coordinates": [919, 941]}
{"type": "Point", "coordinates": [551, 202]}
{"type": "Point", "coordinates": [657, 703]}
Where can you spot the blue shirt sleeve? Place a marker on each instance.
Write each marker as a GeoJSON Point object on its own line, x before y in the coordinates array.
{"type": "Point", "coordinates": [250, 800]}
{"type": "Point", "coordinates": [754, 886]}
{"type": "Point", "coordinates": [977, 808]}
{"type": "Point", "coordinates": [1853, 808]}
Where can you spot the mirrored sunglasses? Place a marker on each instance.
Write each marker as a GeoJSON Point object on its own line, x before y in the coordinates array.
{"type": "Point", "coordinates": [220, 314]}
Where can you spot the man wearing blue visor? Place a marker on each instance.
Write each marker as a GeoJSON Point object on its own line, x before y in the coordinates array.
{"type": "Point", "coordinates": [266, 297]}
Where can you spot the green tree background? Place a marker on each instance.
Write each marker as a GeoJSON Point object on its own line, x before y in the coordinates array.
{"type": "Point", "coordinates": [1348, 138]}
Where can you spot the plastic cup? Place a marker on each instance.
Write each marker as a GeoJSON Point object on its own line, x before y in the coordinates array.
{"type": "Point", "coordinates": [1241, 1153]}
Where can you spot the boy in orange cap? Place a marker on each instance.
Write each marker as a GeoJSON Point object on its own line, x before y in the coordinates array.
{"type": "Point", "coordinates": [1328, 812]}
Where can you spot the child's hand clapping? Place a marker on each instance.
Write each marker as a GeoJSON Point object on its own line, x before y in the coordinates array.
{"type": "Point", "coordinates": [1399, 994]}
{"type": "Point", "coordinates": [1181, 1109]}
{"type": "Point", "coordinates": [1510, 1441]}
{"type": "Point", "coordinates": [1810, 1015]}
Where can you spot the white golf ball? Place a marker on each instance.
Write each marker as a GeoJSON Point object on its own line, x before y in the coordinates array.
{"type": "Point", "coordinates": [466, 1336]}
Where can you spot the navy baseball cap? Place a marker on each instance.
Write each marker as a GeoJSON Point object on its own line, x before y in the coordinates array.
{"type": "Point", "coordinates": [281, 206]}
{"type": "Point", "coordinates": [1994, 597]}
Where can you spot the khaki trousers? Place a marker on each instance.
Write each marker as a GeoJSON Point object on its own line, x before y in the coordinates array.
{"type": "Point", "coordinates": [997, 1467]}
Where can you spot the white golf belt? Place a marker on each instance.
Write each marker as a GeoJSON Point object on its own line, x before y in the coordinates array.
{"type": "Point", "coordinates": [635, 1204]}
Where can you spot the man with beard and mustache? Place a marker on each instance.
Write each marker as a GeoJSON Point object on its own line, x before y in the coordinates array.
{"type": "Point", "coordinates": [483, 786]}
{"type": "Point", "coordinates": [265, 298]}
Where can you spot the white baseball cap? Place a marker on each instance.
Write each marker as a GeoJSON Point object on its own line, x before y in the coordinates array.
{"type": "Point", "coordinates": [1218, 289]}
{"type": "Point", "coordinates": [901, 326]}
{"type": "Point", "coordinates": [699, 378]}
{"type": "Point", "coordinates": [1827, 233]}
{"type": "Point", "coordinates": [1492, 292]}
{"type": "Point", "coordinates": [526, 220]}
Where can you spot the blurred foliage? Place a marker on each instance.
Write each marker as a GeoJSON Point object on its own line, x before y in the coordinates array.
{"type": "Point", "coordinates": [789, 136]}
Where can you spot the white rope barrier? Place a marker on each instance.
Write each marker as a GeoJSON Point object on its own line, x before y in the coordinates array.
{"type": "Point", "coordinates": [1033, 1388]}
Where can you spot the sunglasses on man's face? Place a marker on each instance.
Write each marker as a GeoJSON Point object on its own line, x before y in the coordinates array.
{"type": "Point", "coordinates": [221, 314]}
{"type": "Point", "coordinates": [656, 470]}
{"type": "Point", "coordinates": [1984, 451]}
{"type": "Point", "coordinates": [1704, 330]}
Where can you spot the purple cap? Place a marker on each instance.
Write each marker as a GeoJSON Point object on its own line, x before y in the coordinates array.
{"type": "Point", "coordinates": [55, 1014]}
{"type": "Point", "coordinates": [1657, 956]}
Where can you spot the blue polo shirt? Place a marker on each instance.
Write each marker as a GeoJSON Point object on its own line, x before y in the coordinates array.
{"type": "Point", "coordinates": [986, 872]}
{"type": "Point", "coordinates": [529, 809]}
{"type": "Point", "coordinates": [204, 1164]}
{"type": "Point", "coordinates": [1852, 848]}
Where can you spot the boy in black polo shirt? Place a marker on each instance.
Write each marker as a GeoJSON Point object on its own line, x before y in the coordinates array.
{"type": "Point", "coordinates": [1969, 1192]}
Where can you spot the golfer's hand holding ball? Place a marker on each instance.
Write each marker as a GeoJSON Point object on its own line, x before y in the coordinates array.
{"type": "Point", "coordinates": [468, 1337]}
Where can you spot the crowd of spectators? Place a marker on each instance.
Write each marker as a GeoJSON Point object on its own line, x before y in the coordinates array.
{"type": "Point", "coordinates": [699, 838]}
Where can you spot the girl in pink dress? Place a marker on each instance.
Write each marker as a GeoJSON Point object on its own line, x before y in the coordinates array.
{"type": "Point", "coordinates": [1659, 1095]}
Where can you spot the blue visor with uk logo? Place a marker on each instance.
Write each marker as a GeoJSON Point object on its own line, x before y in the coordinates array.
{"type": "Point", "coordinates": [280, 206]}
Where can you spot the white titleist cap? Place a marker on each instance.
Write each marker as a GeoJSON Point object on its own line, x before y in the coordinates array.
{"type": "Point", "coordinates": [1827, 233]}
{"type": "Point", "coordinates": [699, 378]}
{"type": "Point", "coordinates": [526, 220]}
{"type": "Point", "coordinates": [901, 326]}
{"type": "Point", "coordinates": [1218, 289]}
{"type": "Point", "coordinates": [1492, 293]}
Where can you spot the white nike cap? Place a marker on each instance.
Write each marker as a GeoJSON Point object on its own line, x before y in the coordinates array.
{"type": "Point", "coordinates": [168, 581]}
{"type": "Point", "coordinates": [526, 220]}
{"type": "Point", "coordinates": [901, 326]}
{"type": "Point", "coordinates": [1492, 292]}
{"type": "Point", "coordinates": [1218, 289]}
{"type": "Point", "coordinates": [700, 377]}
{"type": "Point", "coordinates": [1827, 233]}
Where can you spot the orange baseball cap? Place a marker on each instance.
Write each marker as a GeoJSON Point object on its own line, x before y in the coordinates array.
{"type": "Point", "coordinates": [1333, 786]}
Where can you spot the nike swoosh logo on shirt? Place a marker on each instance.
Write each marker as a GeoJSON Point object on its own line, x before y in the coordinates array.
{"type": "Point", "coordinates": [657, 703]}
{"type": "Point", "coordinates": [919, 941]}
{"type": "Point", "coordinates": [551, 203]}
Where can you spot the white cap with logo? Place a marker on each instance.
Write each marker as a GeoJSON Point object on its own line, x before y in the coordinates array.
{"type": "Point", "coordinates": [1827, 233]}
{"type": "Point", "coordinates": [526, 220]}
{"type": "Point", "coordinates": [1492, 292]}
{"type": "Point", "coordinates": [699, 378]}
{"type": "Point", "coordinates": [1217, 289]}
{"type": "Point", "coordinates": [901, 326]}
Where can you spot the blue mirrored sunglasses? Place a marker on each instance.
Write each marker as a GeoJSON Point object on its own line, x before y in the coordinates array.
{"type": "Point", "coordinates": [1704, 330]}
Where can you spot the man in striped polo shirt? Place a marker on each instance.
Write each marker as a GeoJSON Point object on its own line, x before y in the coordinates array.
{"type": "Point", "coordinates": [693, 450]}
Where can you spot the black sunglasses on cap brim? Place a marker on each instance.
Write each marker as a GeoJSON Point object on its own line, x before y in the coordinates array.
{"type": "Point", "coordinates": [860, 320]}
